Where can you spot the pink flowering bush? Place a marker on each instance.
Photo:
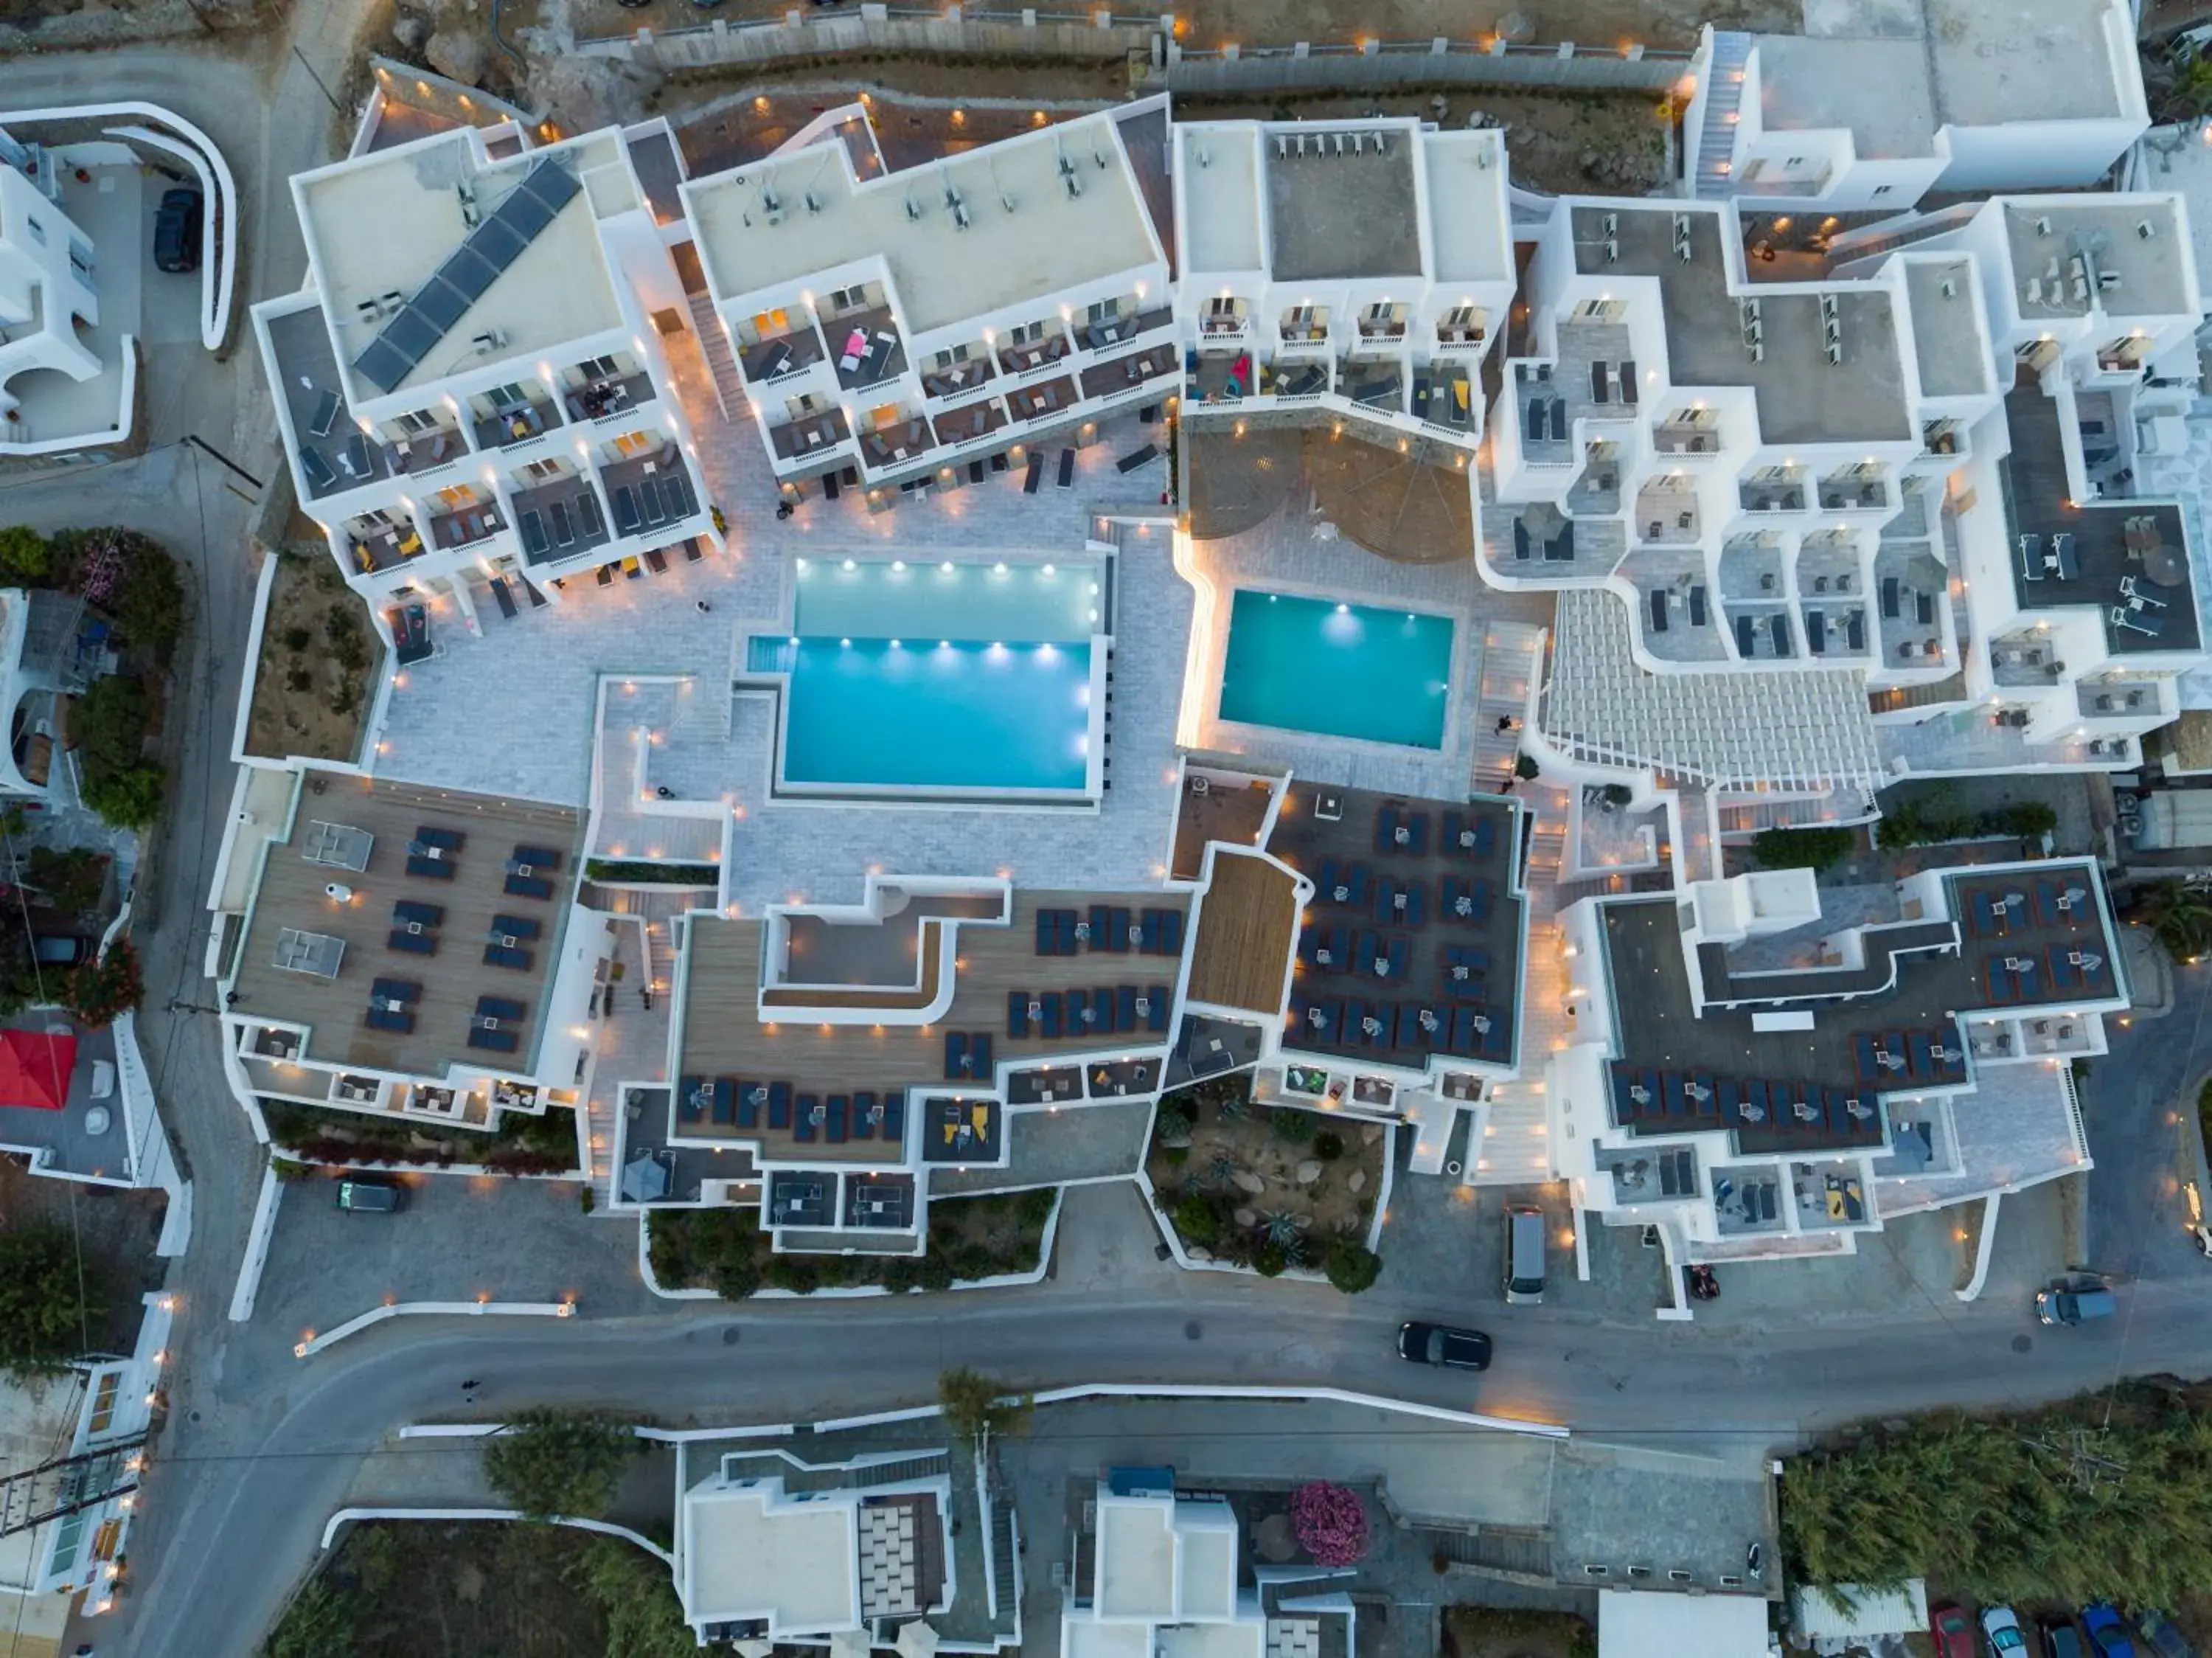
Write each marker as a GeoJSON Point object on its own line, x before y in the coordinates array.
{"type": "Point", "coordinates": [1331, 1522]}
{"type": "Point", "coordinates": [99, 567]}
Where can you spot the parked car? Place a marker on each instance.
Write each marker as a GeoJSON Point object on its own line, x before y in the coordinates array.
{"type": "Point", "coordinates": [2108, 1635]}
{"type": "Point", "coordinates": [177, 231]}
{"type": "Point", "coordinates": [368, 1196]}
{"type": "Point", "coordinates": [59, 949]}
{"type": "Point", "coordinates": [1952, 1631]}
{"type": "Point", "coordinates": [1441, 1344]}
{"type": "Point", "coordinates": [2060, 1638]}
{"type": "Point", "coordinates": [2167, 1641]}
{"type": "Point", "coordinates": [2074, 1300]}
{"type": "Point", "coordinates": [2000, 1629]}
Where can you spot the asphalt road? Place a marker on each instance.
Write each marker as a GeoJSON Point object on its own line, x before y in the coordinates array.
{"type": "Point", "coordinates": [2137, 1105]}
{"type": "Point", "coordinates": [251, 1499]}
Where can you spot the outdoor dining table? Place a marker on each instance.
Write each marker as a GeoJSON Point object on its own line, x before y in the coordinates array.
{"type": "Point", "coordinates": [2164, 564]}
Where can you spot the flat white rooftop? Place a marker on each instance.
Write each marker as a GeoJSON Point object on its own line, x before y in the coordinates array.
{"type": "Point", "coordinates": [386, 222]}
{"type": "Point", "coordinates": [794, 1563]}
{"type": "Point", "coordinates": [1877, 90]}
{"type": "Point", "coordinates": [1470, 235]}
{"type": "Point", "coordinates": [1963, 63]}
{"type": "Point", "coordinates": [1136, 1561]}
{"type": "Point", "coordinates": [1221, 198]}
{"type": "Point", "coordinates": [1046, 242]}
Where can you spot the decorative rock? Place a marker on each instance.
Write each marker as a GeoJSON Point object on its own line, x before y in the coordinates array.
{"type": "Point", "coordinates": [1517, 28]}
{"type": "Point", "coordinates": [1247, 1181]}
{"type": "Point", "coordinates": [457, 55]}
{"type": "Point", "coordinates": [1197, 1252]}
{"type": "Point", "coordinates": [1245, 1217]}
{"type": "Point", "coordinates": [1358, 1180]}
{"type": "Point", "coordinates": [411, 32]}
{"type": "Point", "coordinates": [1371, 1135]}
{"type": "Point", "coordinates": [1308, 1171]}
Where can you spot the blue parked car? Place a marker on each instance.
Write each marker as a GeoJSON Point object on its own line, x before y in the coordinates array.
{"type": "Point", "coordinates": [2165, 1641]}
{"type": "Point", "coordinates": [2107, 1634]}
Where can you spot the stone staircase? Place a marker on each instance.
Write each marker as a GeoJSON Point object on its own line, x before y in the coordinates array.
{"type": "Point", "coordinates": [1511, 653]}
{"type": "Point", "coordinates": [721, 366]}
{"type": "Point", "coordinates": [1715, 176]}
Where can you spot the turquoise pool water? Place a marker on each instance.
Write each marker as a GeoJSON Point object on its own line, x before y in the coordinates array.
{"type": "Point", "coordinates": [1337, 670]}
{"type": "Point", "coordinates": [971, 679]}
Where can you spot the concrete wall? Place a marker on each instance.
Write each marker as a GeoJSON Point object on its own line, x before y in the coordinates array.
{"type": "Point", "coordinates": [1099, 36]}
{"type": "Point", "coordinates": [1396, 64]}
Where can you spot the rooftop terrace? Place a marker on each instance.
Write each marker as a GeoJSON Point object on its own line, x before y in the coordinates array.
{"type": "Point", "coordinates": [381, 226]}
{"type": "Point", "coordinates": [998, 969]}
{"type": "Point", "coordinates": [2129, 558]}
{"type": "Point", "coordinates": [1341, 209]}
{"type": "Point", "coordinates": [1017, 233]}
{"type": "Point", "coordinates": [1946, 340]}
{"type": "Point", "coordinates": [1803, 396]}
{"type": "Point", "coordinates": [1889, 1025]}
{"type": "Point", "coordinates": [2127, 256]}
{"type": "Point", "coordinates": [1435, 908]}
{"type": "Point", "coordinates": [447, 962]}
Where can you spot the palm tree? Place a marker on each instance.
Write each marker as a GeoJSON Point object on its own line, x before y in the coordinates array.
{"type": "Point", "coordinates": [2180, 914]}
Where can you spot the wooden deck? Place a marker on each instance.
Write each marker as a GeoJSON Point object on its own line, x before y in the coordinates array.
{"type": "Point", "coordinates": [291, 894]}
{"type": "Point", "coordinates": [724, 1035]}
{"type": "Point", "coordinates": [1247, 919]}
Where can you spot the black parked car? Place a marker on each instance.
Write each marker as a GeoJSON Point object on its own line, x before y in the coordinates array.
{"type": "Point", "coordinates": [177, 231]}
{"type": "Point", "coordinates": [1441, 1344]}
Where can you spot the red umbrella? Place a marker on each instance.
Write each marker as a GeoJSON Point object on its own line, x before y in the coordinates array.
{"type": "Point", "coordinates": [35, 1068]}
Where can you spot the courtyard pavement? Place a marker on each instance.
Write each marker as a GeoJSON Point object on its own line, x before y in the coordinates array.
{"type": "Point", "coordinates": [515, 711]}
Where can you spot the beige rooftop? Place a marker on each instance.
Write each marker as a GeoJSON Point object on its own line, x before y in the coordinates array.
{"type": "Point", "coordinates": [792, 1563]}
{"type": "Point", "coordinates": [1048, 242]}
{"type": "Point", "coordinates": [384, 222]}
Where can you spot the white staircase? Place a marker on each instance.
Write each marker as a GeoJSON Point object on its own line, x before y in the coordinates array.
{"type": "Point", "coordinates": [1511, 653]}
{"type": "Point", "coordinates": [714, 346]}
{"type": "Point", "coordinates": [1723, 100]}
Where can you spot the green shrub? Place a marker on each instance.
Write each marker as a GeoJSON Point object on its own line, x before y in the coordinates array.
{"type": "Point", "coordinates": [1268, 1260]}
{"type": "Point", "coordinates": [100, 991]}
{"type": "Point", "coordinates": [793, 1272]}
{"type": "Point", "coordinates": [1350, 1266]}
{"type": "Point", "coordinates": [1328, 1145]}
{"type": "Point", "coordinates": [72, 880]}
{"type": "Point", "coordinates": [50, 1298]}
{"type": "Point", "coordinates": [1293, 1126]}
{"type": "Point", "coordinates": [1801, 849]}
{"type": "Point", "coordinates": [936, 1271]}
{"type": "Point", "coordinates": [25, 556]}
{"type": "Point", "coordinates": [1198, 1220]}
{"type": "Point", "coordinates": [128, 800]}
{"type": "Point", "coordinates": [1175, 1156]}
{"type": "Point", "coordinates": [1034, 1208]}
{"type": "Point", "coordinates": [555, 1462]}
{"type": "Point", "coordinates": [297, 638]}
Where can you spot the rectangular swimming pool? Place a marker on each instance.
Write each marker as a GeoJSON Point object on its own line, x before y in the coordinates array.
{"type": "Point", "coordinates": [938, 677]}
{"type": "Point", "coordinates": [1337, 670]}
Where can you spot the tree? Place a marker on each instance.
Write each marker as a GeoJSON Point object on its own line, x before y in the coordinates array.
{"type": "Point", "coordinates": [24, 556]}
{"type": "Point", "coordinates": [975, 1404]}
{"type": "Point", "coordinates": [320, 1620]}
{"type": "Point", "coordinates": [72, 880]}
{"type": "Point", "coordinates": [99, 992]}
{"type": "Point", "coordinates": [1801, 849]}
{"type": "Point", "coordinates": [1352, 1267]}
{"type": "Point", "coordinates": [636, 1597]}
{"type": "Point", "coordinates": [2179, 913]}
{"type": "Point", "coordinates": [1331, 1522]}
{"type": "Point", "coordinates": [49, 1298]}
{"type": "Point", "coordinates": [130, 799]}
{"type": "Point", "coordinates": [551, 1463]}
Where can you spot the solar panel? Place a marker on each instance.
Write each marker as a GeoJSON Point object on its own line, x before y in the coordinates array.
{"type": "Point", "coordinates": [383, 367]}
{"type": "Point", "coordinates": [467, 272]}
{"type": "Point", "coordinates": [552, 184]}
{"type": "Point", "coordinates": [526, 214]}
{"type": "Point", "coordinates": [497, 243]}
{"type": "Point", "coordinates": [411, 333]}
{"type": "Point", "coordinates": [440, 304]}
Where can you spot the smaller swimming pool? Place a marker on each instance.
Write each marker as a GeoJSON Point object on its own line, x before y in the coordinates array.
{"type": "Point", "coordinates": [1337, 670]}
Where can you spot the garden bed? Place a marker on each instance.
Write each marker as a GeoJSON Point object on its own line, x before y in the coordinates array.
{"type": "Point", "coordinates": [319, 662]}
{"type": "Point", "coordinates": [725, 1250]}
{"type": "Point", "coordinates": [1517, 1632]}
{"type": "Point", "coordinates": [520, 1145]}
{"type": "Point", "coordinates": [1267, 1189]}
